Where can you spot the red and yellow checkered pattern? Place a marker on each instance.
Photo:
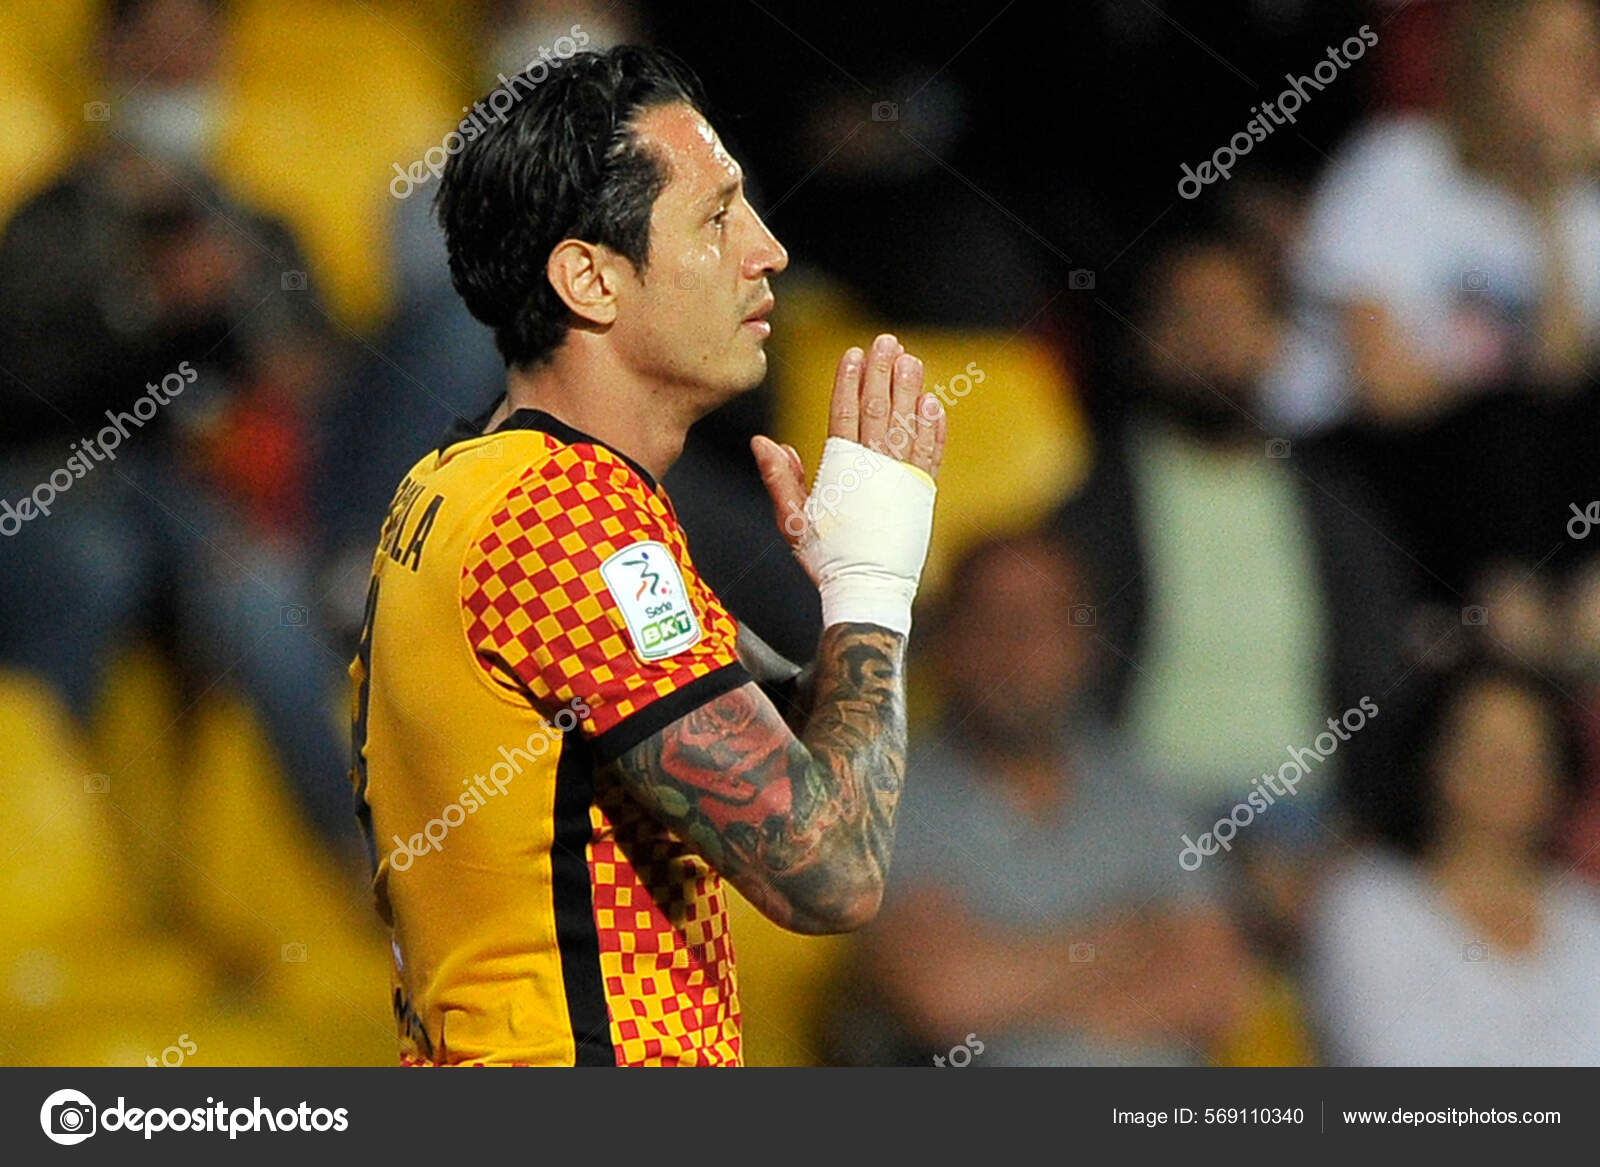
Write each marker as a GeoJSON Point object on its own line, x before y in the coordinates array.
{"type": "Point", "coordinates": [533, 599]}
{"type": "Point", "coordinates": [665, 950]}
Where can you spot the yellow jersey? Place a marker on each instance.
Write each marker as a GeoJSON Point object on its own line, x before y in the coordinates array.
{"type": "Point", "coordinates": [532, 614]}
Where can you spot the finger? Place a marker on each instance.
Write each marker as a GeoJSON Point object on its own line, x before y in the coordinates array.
{"type": "Point", "coordinates": [904, 391]}
{"type": "Point", "coordinates": [794, 460]}
{"type": "Point", "coordinates": [927, 433]}
{"type": "Point", "coordinates": [844, 411]}
{"type": "Point", "coordinates": [941, 428]}
{"type": "Point", "coordinates": [875, 391]}
{"type": "Point", "coordinates": [785, 482]}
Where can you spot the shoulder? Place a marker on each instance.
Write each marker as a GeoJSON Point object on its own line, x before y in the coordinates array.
{"type": "Point", "coordinates": [577, 492]}
{"type": "Point", "coordinates": [1372, 896]}
{"type": "Point", "coordinates": [1577, 903]}
{"type": "Point", "coordinates": [1386, 171]}
{"type": "Point", "coordinates": [592, 480]}
{"type": "Point", "coordinates": [1401, 151]}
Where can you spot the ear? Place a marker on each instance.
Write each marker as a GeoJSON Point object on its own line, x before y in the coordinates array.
{"type": "Point", "coordinates": [586, 276]}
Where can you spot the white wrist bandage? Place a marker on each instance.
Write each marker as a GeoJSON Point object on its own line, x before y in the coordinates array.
{"type": "Point", "coordinates": [871, 516]}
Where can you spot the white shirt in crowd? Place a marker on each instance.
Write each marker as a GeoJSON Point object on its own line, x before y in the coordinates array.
{"type": "Point", "coordinates": [1398, 978]}
{"type": "Point", "coordinates": [1455, 258]}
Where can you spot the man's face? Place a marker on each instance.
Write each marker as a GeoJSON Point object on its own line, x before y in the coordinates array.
{"type": "Point", "coordinates": [1215, 325]}
{"type": "Point", "coordinates": [1550, 80]}
{"type": "Point", "coordinates": [1498, 767]}
{"type": "Point", "coordinates": [691, 319]}
{"type": "Point", "coordinates": [1013, 655]}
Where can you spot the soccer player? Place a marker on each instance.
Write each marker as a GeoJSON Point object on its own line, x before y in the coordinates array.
{"type": "Point", "coordinates": [561, 746]}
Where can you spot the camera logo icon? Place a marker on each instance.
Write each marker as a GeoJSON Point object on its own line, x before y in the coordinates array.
{"type": "Point", "coordinates": [96, 111]}
{"type": "Point", "coordinates": [1474, 615]}
{"type": "Point", "coordinates": [1475, 951]}
{"type": "Point", "coordinates": [1080, 280]}
{"type": "Point", "coordinates": [294, 616]}
{"type": "Point", "coordinates": [885, 111]}
{"type": "Point", "coordinates": [294, 281]}
{"type": "Point", "coordinates": [1475, 281]}
{"type": "Point", "coordinates": [1082, 615]}
{"type": "Point", "coordinates": [96, 784]}
{"type": "Point", "coordinates": [68, 1117]}
{"type": "Point", "coordinates": [1080, 953]}
{"type": "Point", "coordinates": [294, 953]}
{"type": "Point", "coordinates": [1278, 447]}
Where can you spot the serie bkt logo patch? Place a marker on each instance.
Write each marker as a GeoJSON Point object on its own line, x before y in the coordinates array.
{"type": "Point", "coordinates": [647, 585]}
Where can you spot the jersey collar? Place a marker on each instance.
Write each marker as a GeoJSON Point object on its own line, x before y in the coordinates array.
{"type": "Point", "coordinates": [464, 429]}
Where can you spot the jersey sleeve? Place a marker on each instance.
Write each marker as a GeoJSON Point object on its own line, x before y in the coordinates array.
{"type": "Point", "coordinates": [578, 591]}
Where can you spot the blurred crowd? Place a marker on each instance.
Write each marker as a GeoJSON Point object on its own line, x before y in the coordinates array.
{"type": "Point", "coordinates": [1256, 681]}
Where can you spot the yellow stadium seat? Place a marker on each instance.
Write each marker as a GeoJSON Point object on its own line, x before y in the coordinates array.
{"type": "Point", "coordinates": [36, 141]}
{"type": "Point", "coordinates": [1272, 1032]}
{"type": "Point", "coordinates": [1018, 442]}
{"type": "Point", "coordinates": [281, 914]}
{"type": "Point", "coordinates": [42, 93]}
{"type": "Point", "coordinates": [60, 872]}
{"type": "Point", "coordinates": [75, 942]}
{"type": "Point", "coordinates": [175, 893]}
{"type": "Point", "coordinates": [323, 96]}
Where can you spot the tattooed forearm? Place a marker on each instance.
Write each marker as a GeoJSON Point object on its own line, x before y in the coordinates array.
{"type": "Point", "coordinates": [803, 826]}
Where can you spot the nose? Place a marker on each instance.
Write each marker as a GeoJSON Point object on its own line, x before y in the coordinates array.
{"type": "Point", "coordinates": [768, 256]}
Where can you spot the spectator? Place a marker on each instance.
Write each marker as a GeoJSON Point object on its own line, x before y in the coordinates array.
{"type": "Point", "coordinates": [1467, 945]}
{"type": "Point", "coordinates": [1579, 626]}
{"type": "Point", "coordinates": [1505, 281]}
{"type": "Point", "coordinates": [1036, 898]}
{"type": "Point", "coordinates": [1448, 293]}
{"type": "Point", "coordinates": [1243, 584]}
{"type": "Point", "coordinates": [137, 292]}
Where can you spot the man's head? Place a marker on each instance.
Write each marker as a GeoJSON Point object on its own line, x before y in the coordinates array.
{"type": "Point", "coordinates": [1207, 332]}
{"type": "Point", "coordinates": [1015, 642]}
{"type": "Point", "coordinates": [1494, 755]}
{"type": "Point", "coordinates": [163, 58]}
{"type": "Point", "coordinates": [603, 202]}
{"type": "Point", "coordinates": [1522, 85]}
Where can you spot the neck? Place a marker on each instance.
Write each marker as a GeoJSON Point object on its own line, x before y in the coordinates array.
{"type": "Point", "coordinates": [586, 387]}
{"type": "Point", "coordinates": [1035, 779]}
{"type": "Point", "coordinates": [1469, 856]}
{"type": "Point", "coordinates": [1495, 886]}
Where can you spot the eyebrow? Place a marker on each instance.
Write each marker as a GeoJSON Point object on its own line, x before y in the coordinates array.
{"type": "Point", "coordinates": [724, 192]}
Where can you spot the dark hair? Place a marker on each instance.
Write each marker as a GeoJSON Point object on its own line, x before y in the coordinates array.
{"type": "Point", "coordinates": [562, 163]}
{"type": "Point", "coordinates": [120, 13]}
{"type": "Point", "coordinates": [1411, 818]}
